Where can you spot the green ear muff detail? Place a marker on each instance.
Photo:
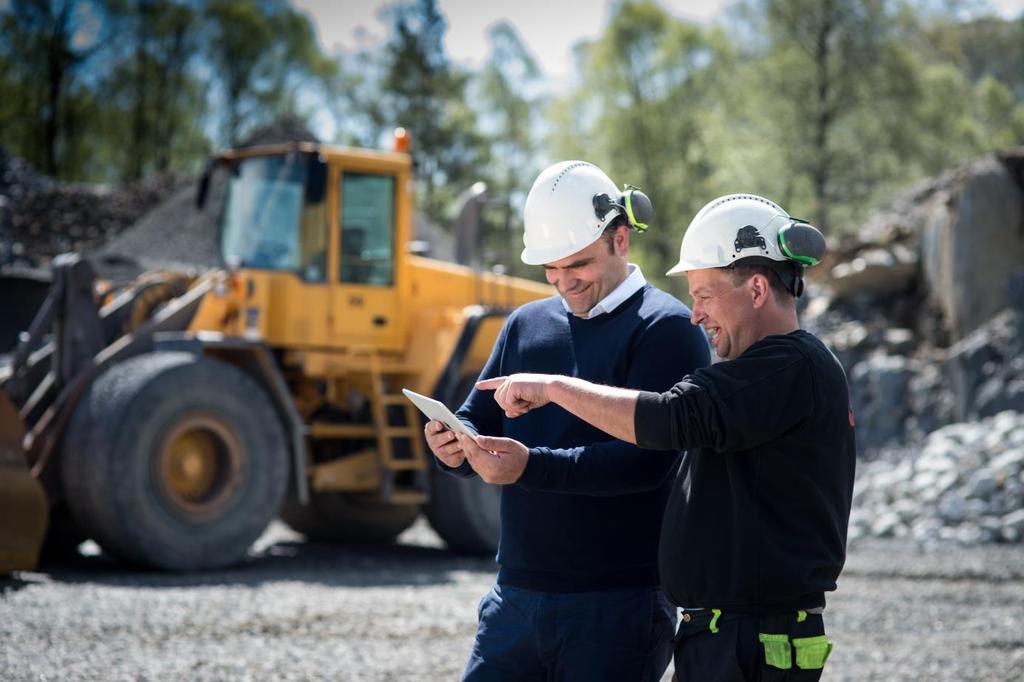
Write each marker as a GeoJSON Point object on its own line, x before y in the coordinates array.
{"type": "Point", "coordinates": [639, 209]}
{"type": "Point", "coordinates": [802, 242]}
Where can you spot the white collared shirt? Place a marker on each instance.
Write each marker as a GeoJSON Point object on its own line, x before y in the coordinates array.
{"type": "Point", "coordinates": [633, 283]}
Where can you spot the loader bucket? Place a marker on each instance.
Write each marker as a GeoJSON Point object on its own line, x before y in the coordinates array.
{"type": "Point", "coordinates": [23, 292]}
{"type": "Point", "coordinates": [23, 505]}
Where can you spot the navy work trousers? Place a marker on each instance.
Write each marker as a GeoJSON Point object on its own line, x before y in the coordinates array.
{"type": "Point", "coordinates": [617, 635]}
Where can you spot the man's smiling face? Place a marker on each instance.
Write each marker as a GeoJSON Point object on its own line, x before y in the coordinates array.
{"type": "Point", "coordinates": [724, 309]}
{"type": "Point", "coordinates": [587, 276]}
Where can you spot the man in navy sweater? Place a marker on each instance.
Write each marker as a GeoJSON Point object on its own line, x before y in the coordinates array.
{"type": "Point", "coordinates": [754, 533]}
{"type": "Point", "coordinates": [577, 595]}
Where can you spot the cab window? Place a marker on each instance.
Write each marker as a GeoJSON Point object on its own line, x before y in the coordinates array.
{"type": "Point", "coordinates": [367, 229]}
{"type": "Point", "coordinates": [271, 220]}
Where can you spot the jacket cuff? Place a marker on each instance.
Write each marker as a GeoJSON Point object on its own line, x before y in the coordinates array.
{"type": "Point", "coordinates": [648, 420]}
{"type": "Point", "coordinates": [536, 468]}
{"type": "Point", "coordinates": [464, 470]}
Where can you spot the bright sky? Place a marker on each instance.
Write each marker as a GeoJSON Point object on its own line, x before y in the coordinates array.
{"type": "Point", "coordinates": [548, 28]}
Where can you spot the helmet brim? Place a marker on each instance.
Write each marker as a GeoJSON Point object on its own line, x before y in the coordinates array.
{"type": "Point", "coordinates": [535, 256]}
{"type": "Point", "coordinates": [683, 267]}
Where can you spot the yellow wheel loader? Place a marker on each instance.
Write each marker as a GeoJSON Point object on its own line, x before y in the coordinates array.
{"type": "Point", "coordinates": [172, 417]}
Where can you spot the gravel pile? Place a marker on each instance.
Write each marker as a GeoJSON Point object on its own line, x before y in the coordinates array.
{"type": "Point", "coordinates": [40, 218]}
{"type": "Point", "coordinates": [964, 484]}
{"type": "Point", "coordinates": [18, 182]}
{"type": "Point", "coordinates": [175, 235]}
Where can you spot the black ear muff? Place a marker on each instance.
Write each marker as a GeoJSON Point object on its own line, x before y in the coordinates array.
{"type": "Point", "coordinates": [603, 204]}
{"type": "Point", "coordinates": [638, 208]}
{"type": "Point", "coordinates": [802, 242]}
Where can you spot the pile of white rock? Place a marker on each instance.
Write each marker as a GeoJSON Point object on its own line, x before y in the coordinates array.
{"type": "Point", "coordinates": [964, 484]}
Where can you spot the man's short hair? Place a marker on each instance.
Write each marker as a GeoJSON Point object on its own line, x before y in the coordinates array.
{"type": "Point", "coordinates": [608, 235]}
{"type": "Point", "coordinates": [741, 272]}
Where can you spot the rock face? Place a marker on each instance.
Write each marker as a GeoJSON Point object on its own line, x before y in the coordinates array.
{"type": "Point", "coordinates": [911, 304]}
{"type": "Point", "coordinates": [955, 241]}
{"type": "Point", "coordinates": [973, 241]}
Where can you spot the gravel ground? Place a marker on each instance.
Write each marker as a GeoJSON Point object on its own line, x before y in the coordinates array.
{"type": "Point", "coordinates": [301, 611]}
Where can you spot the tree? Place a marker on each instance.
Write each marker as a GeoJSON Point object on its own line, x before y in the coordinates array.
{"type": "Point", "coordinates": [45, 47]}
{"type": "Point", "coordinates": [963, 92]}
{"type": "Point", "coordinates": [264, 53]}
{"type": "Point", "coordinates": [423, 92]}
{"type": "Point", "coordinates": [638, 112]}
{"type": "Point", "coordinates": [820, 66]}
{"type": "Point", "coordinates": [509, 102]}
{"type": "Point", "coordinates": [151, 91]}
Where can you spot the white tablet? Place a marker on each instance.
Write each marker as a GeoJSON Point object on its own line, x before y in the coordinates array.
{"type": "Point", "coordinates": [435, 409]}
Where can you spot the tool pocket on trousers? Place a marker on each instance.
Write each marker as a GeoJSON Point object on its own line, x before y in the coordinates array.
{"type": "Point", "coordinates": [777, 652]}
{"type": "Point", "coordinates": [812, 652]}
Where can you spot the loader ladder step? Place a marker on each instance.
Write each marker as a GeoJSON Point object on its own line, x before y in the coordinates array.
{"type": "Point", "coordinates": [330, 430]}
{"type": "Point", "coordinates": [399, 433]}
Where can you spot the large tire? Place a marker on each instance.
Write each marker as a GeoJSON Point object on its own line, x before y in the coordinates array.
{"type": "Point", "coordinates": [349, 518]}
{"type": "Point", "coordinates": [174, 461]}
{"type": "Point", "coordinates": [465, 512]}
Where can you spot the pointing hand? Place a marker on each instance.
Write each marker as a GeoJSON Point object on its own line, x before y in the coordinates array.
{"type": "Point", "coordinates": [519, 393]}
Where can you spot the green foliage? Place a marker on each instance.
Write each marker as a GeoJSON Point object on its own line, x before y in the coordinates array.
{"type": "Point", "coordinates": [153, 104]}
{"type": "Point", "coordinates": [423, 92]}
{"type": "Point", "coordinates": [265, 53]}
{"type": "Point", "coordinates": [640, 113]}
{"type": "Point", "coordinates": [829, 107]}
{"type": "Point", "coordinates": [118, 89]}
{"type": "Point", "coordinates": [45, 48]}
{"type": "Point", "coordinates": [835, 106]}
{"type": "Point", "coordinates": [828, 77]}
{"type": "Point", "coordinates": [509, 120]}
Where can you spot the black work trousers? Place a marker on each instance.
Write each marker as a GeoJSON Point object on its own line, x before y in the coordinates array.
{"type": "Point", "coordinates": [711, 646]}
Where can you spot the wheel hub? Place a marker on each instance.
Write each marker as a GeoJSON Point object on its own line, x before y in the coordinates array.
{"type": "Point", "coordinates": [200, 465]}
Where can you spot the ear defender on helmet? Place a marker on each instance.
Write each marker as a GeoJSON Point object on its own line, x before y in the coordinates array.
{"type": "Point", "coordinates": [632, 204]}
{"type": "Point", "coordinates": [638, 207]}
{"type": "Point", "coordinates": [804, 245]}
{"type": "Point", "coordinates": [802, 242]}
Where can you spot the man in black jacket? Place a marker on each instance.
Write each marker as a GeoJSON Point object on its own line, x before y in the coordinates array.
{"type": "Point", "coordinates": [755, 529]}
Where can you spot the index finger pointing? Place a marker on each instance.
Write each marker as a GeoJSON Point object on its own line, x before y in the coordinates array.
{"type": "Point", "coordinates": [490, 384]}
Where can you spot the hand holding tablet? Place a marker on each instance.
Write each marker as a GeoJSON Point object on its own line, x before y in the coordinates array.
{"type": "Point", "coordinates": [437, 410]}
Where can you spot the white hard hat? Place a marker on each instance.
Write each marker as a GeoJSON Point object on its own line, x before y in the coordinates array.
{"type": "Point", "coordinates": [560, 216]}
{"type": "Point", "coordinates": [738, 226]}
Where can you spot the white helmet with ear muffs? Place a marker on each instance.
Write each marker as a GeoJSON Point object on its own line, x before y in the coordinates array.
{"type": "Point", "coordinates": [570, 205]}
{"type": "Point", "coordinates": [737, 227]}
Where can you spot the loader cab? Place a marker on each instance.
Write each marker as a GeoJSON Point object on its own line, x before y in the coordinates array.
{"type": "Point", "coordinates": [273, 215]}
{"type": "Point", "coordinates": [315, 230]}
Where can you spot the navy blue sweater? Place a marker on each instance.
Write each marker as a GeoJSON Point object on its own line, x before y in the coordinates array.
{"type": "Point", "coordinates": [586, 513]}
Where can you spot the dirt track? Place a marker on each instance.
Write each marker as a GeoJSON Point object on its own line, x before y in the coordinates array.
{"type": "Point", "coordinates": [301, 611]}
